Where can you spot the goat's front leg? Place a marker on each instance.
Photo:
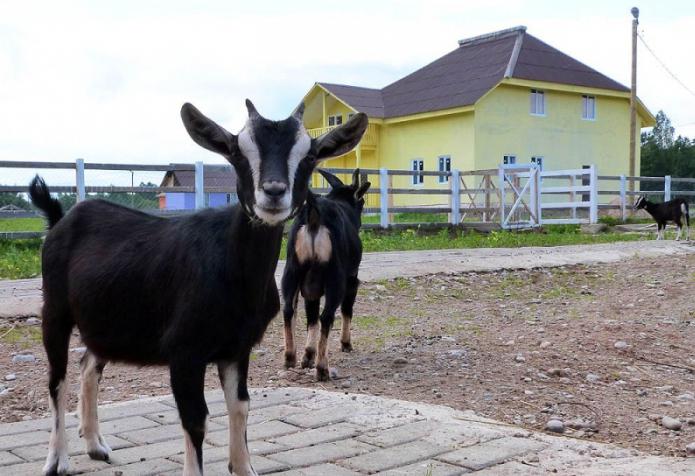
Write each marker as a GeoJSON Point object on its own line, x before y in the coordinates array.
{"type": "Point", "coordinates": [233, 377]}
{"type": "Point", "coordinates": [90, 374]}
{"type": "Point", "coordinates": [188, 384]}
{"type": "Point", "coordinates": [290, 292]}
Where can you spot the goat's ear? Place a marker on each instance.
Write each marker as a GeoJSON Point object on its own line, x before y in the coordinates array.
{"type": "Point", "coordinates": [356, 178]}
{"type": "Point", "coordinates": [342, 139]}
{"type": "Point", "coordinates": [362, 190]}
{"type": "Point", "coordinates": [332, 180]}
{"type": "Point", "coordinates": [206, 132]}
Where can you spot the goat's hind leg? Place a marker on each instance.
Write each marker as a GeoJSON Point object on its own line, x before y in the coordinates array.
{"type": "Point", "coordinates": [188, 385]}
{"type": "Point", "coordinates": [346, 312]}
{"type": "Point", "coordinates": [335, 292]}
{"type": "Point", "coordinates": [56, 329]}
{"type": "Point", "coordinates": [233, 376]}
{"type": "Point", "coordinates": [312, 321]}
{"type": "Point", "coordinates": [91, 369]}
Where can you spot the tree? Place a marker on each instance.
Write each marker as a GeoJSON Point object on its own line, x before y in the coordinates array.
{"type": "Point", "coordinates": [663, 131]}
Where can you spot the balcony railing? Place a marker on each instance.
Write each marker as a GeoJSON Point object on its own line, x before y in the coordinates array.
{"type": "Point", "coordinates": [369, 140]}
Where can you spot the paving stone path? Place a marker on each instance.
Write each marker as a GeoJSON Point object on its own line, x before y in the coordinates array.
{"type": "Point", "coordinates": [303, 432]}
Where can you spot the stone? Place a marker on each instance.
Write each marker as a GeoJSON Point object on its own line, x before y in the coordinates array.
{"type": "Point", "coordinates": [556, 426]}
{"type": "Point", "coordinates": [593, 228]}
{"type": "Point", "coordinates": [671, 423]}
{"type": "Point", "coordinates": [400, 361]}
{"type": "Point", "coordinates": [545, 344]}
{"type": "Point", "coordinates": [10, 377]}
{"type": "Point", "coordinates": [690, 450]}
{"type": "Point", "coordinates": [592, 378]}
{"type": "Point", "coordinates": [621, 345]}
{"type": "Point", "coordinates": [23, 358]}
{"type": "Point", "coordinates": [685, 397]}
{"type": "Point", "coordinates": [519, 358]}
{"type": "Point", "coordinates": [333, 372]}
{"type": "Point", "coordinates": [33, 321]}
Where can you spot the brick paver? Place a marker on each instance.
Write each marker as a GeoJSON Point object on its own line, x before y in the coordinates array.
{"type": "Point", "coordinates": [304, 432]}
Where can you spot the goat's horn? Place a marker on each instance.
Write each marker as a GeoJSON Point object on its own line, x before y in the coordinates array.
{"type": "Point", "coordinates": [253, 113]}
{"type": "Point", "coordinates": [298, 113]}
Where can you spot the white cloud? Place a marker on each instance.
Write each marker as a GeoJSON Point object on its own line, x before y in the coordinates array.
{"type": "Point", "coordinates": [105, 80]}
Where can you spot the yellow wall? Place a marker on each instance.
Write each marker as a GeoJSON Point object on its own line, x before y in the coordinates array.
{"type": "Point", "coordinates": [427, 139]}
{"type": "Point", "coordinates": [504, 126]}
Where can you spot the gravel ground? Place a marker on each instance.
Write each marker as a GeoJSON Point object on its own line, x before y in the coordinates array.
{"type": "Point", "coordinates": [603, 351]}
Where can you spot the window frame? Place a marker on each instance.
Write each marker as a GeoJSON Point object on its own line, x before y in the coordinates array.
{"type": "Point", "coordinates": [417, 165]}
{"type": "Point", "coordinates": [539, 160]}
{"type": "Point", "coordinates": [506, 159]}
{"type": "Point", "coordinates": [337, 120]}
{"type": "Point", "coordinates": [585, 103]}
{"type": "Point", "coordinates": [533, 106]}
{"type": "Point", "coordinates": [443, 165]}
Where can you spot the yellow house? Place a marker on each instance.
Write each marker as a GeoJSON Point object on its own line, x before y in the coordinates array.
{"type": "Point", "coordinates": [503, 97]}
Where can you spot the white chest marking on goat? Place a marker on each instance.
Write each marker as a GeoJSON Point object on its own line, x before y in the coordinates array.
{"type": "Point", "coordinates": [316, 247]}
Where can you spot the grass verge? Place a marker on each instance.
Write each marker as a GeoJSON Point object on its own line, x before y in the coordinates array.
{"type": "Point", "coordinates": [21, 258]}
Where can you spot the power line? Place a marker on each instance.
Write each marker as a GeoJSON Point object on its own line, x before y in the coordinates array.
{"type": "Point", "coordinates": [663, 65]}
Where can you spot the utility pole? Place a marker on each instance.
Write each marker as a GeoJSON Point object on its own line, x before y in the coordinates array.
{"type": "Point", "coordinates": [633, 98]}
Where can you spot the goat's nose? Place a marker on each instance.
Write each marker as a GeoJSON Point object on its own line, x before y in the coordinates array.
{"type": "Point", "coordinates": [274, 188]}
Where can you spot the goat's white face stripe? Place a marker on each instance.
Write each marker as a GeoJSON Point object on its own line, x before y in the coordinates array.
{"type": "Point", "coordinates": [249, 148]}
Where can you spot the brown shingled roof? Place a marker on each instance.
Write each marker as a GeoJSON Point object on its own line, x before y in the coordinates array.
{"type": "Point", "coordinates": [213, 176]}
{"type": "Point", "coordinates": [464, 75]}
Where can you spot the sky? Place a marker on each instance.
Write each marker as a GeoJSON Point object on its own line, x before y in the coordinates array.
{"type": "Point", "coordinates": [105, 80]}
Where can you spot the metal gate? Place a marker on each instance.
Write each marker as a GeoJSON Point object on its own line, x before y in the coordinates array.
{"type": "Point", "coordinates": [519, 186]}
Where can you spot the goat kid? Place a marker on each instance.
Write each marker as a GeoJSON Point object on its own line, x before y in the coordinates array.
{"type": "Point", "coordinates": [323, 258]}
{"type": "Point", "coordinates": [182, 292]}
{"type": "Point", "coordinates": [675, 210]}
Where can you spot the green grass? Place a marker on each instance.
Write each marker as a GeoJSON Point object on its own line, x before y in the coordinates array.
{"type": "Point", "coordinates": [22, 224]}
{"type": "Point", "coordinates": [410, 218]}
{"type": "Point", "coordinates": [20, 258]}
{"type": "Point", "coordinates": [443, 239]}
{"type": "Point", "coordinates": [24, 336]}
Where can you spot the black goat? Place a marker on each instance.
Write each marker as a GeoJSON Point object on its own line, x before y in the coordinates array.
{"type": "Point", "coordinates": [182, 292]}
{"type": "Point", "coordinates": [675, 210]}
{"type": "Point", "coordinates": [324, 252]}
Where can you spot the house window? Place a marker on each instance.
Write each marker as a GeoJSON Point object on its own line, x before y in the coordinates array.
{"type": "Point", "coordinates": [586, 180]}
{"type": "Point", "coordinates": [418, 166]}
{"type": "Point", "coordinates": [335, 120]}
{"type": "Point", "coordinates": [538, 161]}
{"type": "Point", "coordinates": [537, 102]}
{"type": "Point", "coordinates": [350, 114]}
{"type": "Point", "coordinates": [509, 159]}
{"type": "Point", "coordinates": [444, 166]}
{"type": "Point", "coordinates": [588, 107]}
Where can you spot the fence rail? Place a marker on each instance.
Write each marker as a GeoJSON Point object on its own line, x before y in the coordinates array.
{"type": "Point", "coordinates": [508, 197]}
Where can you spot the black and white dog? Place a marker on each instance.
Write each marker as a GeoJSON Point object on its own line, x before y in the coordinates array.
{"type": "Point", "coordinates": [182, 292]}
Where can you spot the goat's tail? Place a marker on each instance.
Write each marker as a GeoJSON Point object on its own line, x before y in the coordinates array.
{"type": "Point", "coordinates": [41, 198]}
{"type": "Point", "coordinates": [313, 217]}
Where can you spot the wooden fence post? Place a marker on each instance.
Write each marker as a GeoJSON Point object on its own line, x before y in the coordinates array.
{"type": "Point", "coordinates": [503, 196]}
{"type": "Point", "coordinates": [79, 179]}
{"type": "Point", "coordinates": [623, 197]}
{"type": "Point", "coordinates": [488, 204]}
{"type": "Point", "coordinates": [384, 197]}
{"type": "Point", "coordinates": [456, 197]}
{"type": "Point", "coordinates": [593, 207]}
{"type": "Point", "coordinates": [667, 188]}
{"type": "Point", "coordinates": [199, 186]}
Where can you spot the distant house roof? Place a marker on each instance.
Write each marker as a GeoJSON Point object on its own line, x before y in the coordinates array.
{"type": "Point", "coordinates": [464, 75]}
{"type": "Point", "coordinates": [213, 176]}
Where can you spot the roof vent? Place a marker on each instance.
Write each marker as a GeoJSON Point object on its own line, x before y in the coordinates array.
{"type": "Point", "coordinates": [493, 36]}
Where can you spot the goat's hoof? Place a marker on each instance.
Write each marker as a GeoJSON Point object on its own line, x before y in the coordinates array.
{"type": "Point", "coordinates": [308, 360]}
{"type": "Point", "coordinates": [290, 361]}
{"type": "Point", "coordinates": [247, 470]}
{"type": "Point", "coordinates": [322, 374]}
{"type": "Point", "coordinates": [346, 346]}
{"type": "Point", "coordinates": [58, 467]}
{"type": "Point", "coordinates": [98, 449]}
